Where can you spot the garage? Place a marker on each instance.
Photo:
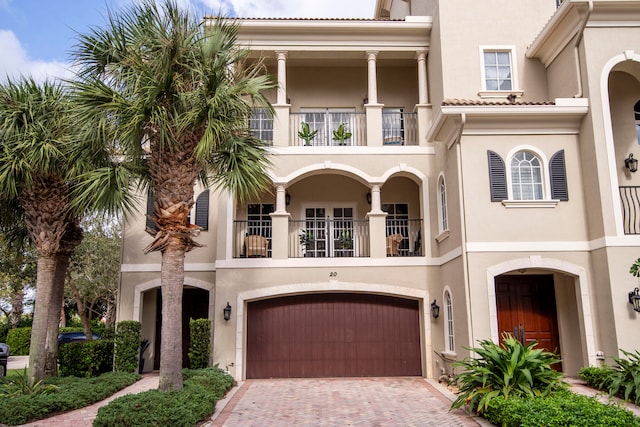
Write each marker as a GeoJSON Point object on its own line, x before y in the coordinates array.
{"type": "Point", "coordinates": [333, 335]}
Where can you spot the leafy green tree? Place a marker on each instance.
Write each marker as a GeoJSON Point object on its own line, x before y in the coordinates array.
{"type": "Point", "coordinates": [17, 275]}
{"type": "Point", "coordinates": [173, 100]}
{"type": "Point", "coordinates": [94, 271]}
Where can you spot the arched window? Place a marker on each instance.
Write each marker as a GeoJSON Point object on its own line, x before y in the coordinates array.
{"type": "Point", "coordinates": [526, 176]}
{"type": "Point", "coordinates": [442, 205]}
{"type": "Point", "coordinates": [448, 312]}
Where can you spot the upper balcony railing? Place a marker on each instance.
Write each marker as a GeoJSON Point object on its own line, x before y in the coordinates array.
{"type": "Point", "coordinates": [252, 239]}
{"type": "Point", "coordinates": [404, 237]}
{"type": "Point", "coordinates": [328, 238]}
{"type": "Point", "coordinates": [399, 128]}
{"type": "Point", "coordinates": [323, 129]}
{"type": "Point", "coordinates": [630, 200]}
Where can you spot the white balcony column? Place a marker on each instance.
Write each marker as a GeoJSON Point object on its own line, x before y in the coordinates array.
{"type": "Point", "coordinates": [281, 107]}
{"type": "Point", "coordinates": [280, 226]}
{"type": "Point", "coordinates": [377, 225]}
{"type": "Point", "coordinates": [376, 204]}
{"type": "Point", "coordinates": [372, 108]}
{"type": "Point", "coordinates": [282, 77]}
{"type": "Point", "coordinates": [372, 78]}
{"type": "Point", "coordinates": [423, 93]}
{"type": "Point", "coordinates": [423, 108]}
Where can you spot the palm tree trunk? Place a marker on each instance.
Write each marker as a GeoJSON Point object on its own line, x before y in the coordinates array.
{"type": "Point", "coordinates": [172, 277]}
{"type": "Point", "coordinates": [53, 321]}
{"type": "Point", "coordinates": [44, 291]}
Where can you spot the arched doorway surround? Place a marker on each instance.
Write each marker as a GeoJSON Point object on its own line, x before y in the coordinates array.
{"type": "Point", "coordinates": [582, 292]}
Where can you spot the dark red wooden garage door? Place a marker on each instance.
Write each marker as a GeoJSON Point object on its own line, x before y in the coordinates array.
{"type": "Point", "coordinates": [333, 335]}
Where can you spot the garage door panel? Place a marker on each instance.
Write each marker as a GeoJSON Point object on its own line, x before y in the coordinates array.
{"type": "Point", "coordinates": [325, 335]}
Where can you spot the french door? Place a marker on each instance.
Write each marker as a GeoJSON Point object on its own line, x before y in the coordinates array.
{"type": "Point", "coordinates": [329, 232]}
{"type": "Point", "coordinates": [328, 120]}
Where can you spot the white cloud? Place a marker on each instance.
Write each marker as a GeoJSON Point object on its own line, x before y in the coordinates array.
{"type": "Point", "coordinates": [15, 62]}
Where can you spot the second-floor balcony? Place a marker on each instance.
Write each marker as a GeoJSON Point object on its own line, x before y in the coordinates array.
{"type": "Point", "coordinates": [338, 127]}
{"type": "Point", "coordinates": [327, 238]}
{"type": "Point", "coordinates": [630, 201]}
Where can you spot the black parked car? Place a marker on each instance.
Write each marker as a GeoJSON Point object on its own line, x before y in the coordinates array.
{"type": "Point", "coordinates": [67, 337]}
{"type": "Point", "coordinates": [4, 357]}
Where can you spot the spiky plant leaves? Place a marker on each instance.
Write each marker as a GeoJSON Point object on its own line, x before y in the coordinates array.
{"type": "Point", "coordinates": [507, 369]}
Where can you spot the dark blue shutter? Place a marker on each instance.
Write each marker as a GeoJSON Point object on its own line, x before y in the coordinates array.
{"type": "Point", "coordinates": [497, 177]}
{"type": "Point", "coordinates": [558, 177]}
{"type": "Point", "coordinates": [151, 224]}
{"type": "Point", "coordinates": [202, 210]}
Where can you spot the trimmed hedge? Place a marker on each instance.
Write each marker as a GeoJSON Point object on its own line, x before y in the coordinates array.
{"type": "Point", "coordinates": [127, 344]}
{"type": "Point", "coordinates": [71, 393]}
{"type": "Point", "coordinates": [597, 377]}
{"type": "Point", "coordinates": [19, 341]}
{"type": "Point", "coordinates": [194, 403]}
{"type": "Point", "coordinates": [200, 348]}
{"type": "Point", "coordinates": [560, 409]}
{"type": "Point", "coordinates": [86, 358]}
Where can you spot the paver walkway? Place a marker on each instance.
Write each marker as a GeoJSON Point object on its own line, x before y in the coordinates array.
{"type": "Point", "coordinates": [84, 417]}
{"type": "Point", "coordinates": [340, 402]}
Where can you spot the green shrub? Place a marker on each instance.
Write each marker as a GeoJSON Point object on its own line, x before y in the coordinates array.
{"type": "Point", "coordinates": [200, 343]}
{"type": "Point", "coordinates": [127, 343]}
{"type": "Point", "coordinates": [596, 377]}
{"type": "Point", "coordinates": [19, 340]}
{"type": "Point", "coordinates": [86, 358]}
{"type": "Point", "coordinates": [509, 369]}
{"type": "Point", "coordinates": [70, 393]}
{"type": "Point", "coordinates": [18, 384]}
{"type": "Point", "coordinates": [559, 409]}
{"type": "Point", "coordinates": [625, 377]}
{"type": "Point", "coordinates": [202, 388]}
{"type": "Point", "coordinates": [4, 330]}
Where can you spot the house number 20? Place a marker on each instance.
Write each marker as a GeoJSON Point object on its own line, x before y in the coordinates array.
{"type": "Point", "coordinates": [333, 274]}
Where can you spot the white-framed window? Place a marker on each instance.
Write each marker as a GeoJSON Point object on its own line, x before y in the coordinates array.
{"type": "Point", "coordinates": [261, 125]}
{"type": "Point", "coordinates": [499, 71]}
{"type": "Point", "coordinates": [442, 205]}
{"type": "Point", "coordinates": [526, 176]}
{"type": "Point", "coordinates": [448, 318]}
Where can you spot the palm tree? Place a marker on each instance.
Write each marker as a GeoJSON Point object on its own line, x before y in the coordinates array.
{"type": "Point", "coordinates": [173, 100]}
{"type": "Point", "coordinates": [35, 174]}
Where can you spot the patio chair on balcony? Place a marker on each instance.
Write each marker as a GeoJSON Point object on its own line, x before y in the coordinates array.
{"type": "Point", "coordinates": [256, 246]}
{"type": "Point", "coordinates": [393, 244]}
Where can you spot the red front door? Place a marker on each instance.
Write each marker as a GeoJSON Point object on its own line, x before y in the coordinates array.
{"type": "Point", "coordinates": [527, 309]}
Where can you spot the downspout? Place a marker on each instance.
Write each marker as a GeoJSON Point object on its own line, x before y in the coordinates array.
{"type": "Point", "coordinates": [576, 48]}
{"type": "Point", "coordinates": [463, 231]}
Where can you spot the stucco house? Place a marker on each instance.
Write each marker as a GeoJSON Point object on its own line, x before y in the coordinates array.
{"type": "Point", "coordinates": [473, 156]}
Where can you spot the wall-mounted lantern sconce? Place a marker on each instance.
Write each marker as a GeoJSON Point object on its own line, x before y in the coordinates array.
{"type": "Point", "coordinates": [227, 312]}
{"type": "Point", "coordinates": [287, 199]}
{"type": "Point", "coordinates": [435, 310]}
{"type": "Point", "coordinates": [634, 299]}
{"type": "Point", "coordinates": [369, 197]}
{"type": "Point", "coordinates": [631, 163]}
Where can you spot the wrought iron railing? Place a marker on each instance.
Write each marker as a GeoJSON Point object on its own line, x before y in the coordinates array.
{"type": "Point", "coordinates": [325, 124]}
{"type": "Point", "coordinates": [404, 237]}
{"type": "Point", "coordinates": [399, 128]}
{"type": "Point", "coordinates": [630, 201]}
{"type": "Point", "coordinates": [328, 238]}
{"type": "Point", "coordinates": [252, 239]}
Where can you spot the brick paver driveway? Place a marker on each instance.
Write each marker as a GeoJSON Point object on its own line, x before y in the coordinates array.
{"type": "Point", "coordinates": [340, 402]}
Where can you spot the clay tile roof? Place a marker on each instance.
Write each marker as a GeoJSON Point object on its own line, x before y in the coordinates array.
{"type": "Point", "coordinates": [484, 102]}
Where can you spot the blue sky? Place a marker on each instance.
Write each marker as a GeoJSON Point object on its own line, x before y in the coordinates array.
{"type": "Point", "coordinates": [37, 35]}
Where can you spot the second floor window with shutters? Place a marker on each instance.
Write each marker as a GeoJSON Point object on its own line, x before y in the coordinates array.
{"type": "Point", "coordinates": [529, 178]}
{"type": "Point", "coordinates": [526, 177]}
